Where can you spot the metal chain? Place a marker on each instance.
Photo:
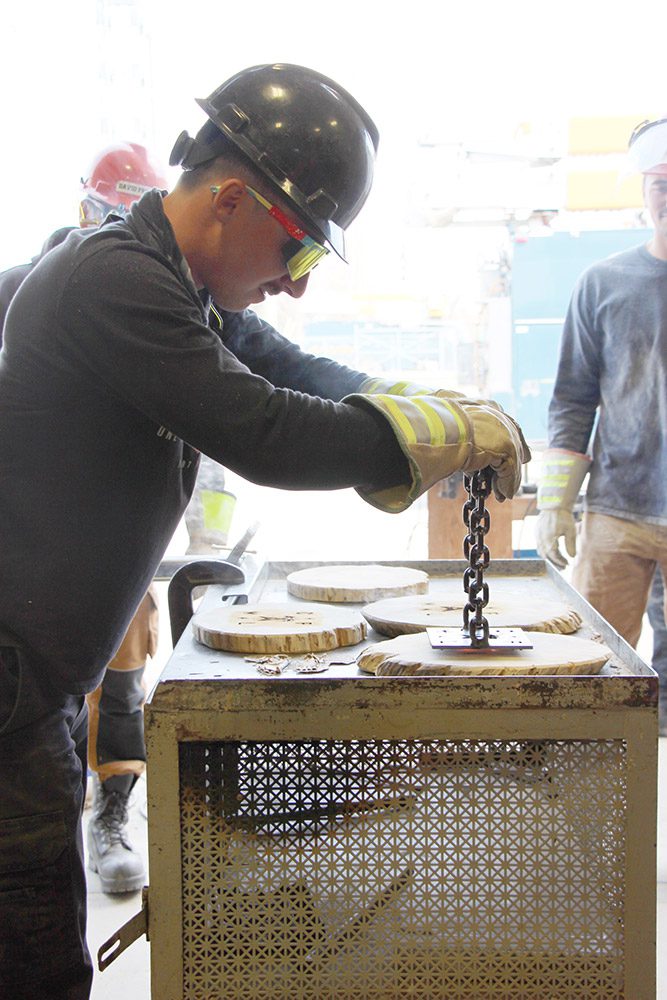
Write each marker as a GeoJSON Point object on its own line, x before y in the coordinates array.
{"type": "Point", "coordinates": [477, 520]}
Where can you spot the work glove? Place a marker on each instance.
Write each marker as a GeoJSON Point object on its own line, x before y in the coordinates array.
{"type": "Point", "coordinates": [563, 473]}
{"type": "Point", "coordinates": [440, 435]}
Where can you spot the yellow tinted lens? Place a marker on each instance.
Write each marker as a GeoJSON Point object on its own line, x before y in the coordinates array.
{"type": "Point", "coordinates": [305, 259]}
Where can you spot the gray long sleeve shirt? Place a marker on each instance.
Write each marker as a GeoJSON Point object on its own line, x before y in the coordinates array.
{"type": "Point", "coordinates": [613, 365]}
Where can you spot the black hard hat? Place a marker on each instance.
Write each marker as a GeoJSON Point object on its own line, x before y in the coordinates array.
{"type": "Point", "coordinates": [310, 138]}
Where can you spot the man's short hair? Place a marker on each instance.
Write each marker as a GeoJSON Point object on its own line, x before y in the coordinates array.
{"type": "Point", "coordinates": [225, 154]}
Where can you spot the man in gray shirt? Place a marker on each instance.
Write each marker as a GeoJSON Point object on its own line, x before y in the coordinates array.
{"type": "Point", "coordinates": [613, 367]}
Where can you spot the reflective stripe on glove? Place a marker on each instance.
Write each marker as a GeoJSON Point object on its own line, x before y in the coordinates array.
{"type": "Point", "coordinates": [563, 473]}
{"type": "Point", "coordinates": [387, 387]}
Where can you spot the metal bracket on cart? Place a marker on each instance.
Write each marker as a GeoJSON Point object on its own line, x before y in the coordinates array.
{"type": "Point", "coordinates": [203, 573]}
{"type": "Point", "coordinates": [126, 935]}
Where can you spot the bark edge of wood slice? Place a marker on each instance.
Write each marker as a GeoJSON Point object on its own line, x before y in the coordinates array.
{"type": "Point", "coordinates": [404, 615]}
{"type": "Point", "coordinates": [413, 655]}
{"type": "Point", "coordinates": [355, 584]}
{"type": "Point", "coordinates": [278, 628]}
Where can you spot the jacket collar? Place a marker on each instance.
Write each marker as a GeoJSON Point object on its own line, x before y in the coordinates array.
{"type": "Point", "coordinates": [148, 222]}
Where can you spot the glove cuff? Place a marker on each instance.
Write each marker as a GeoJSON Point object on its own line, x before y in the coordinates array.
{"type": "Point", "coordinates": [563, 472]}
{"type": "Point", "coordinates": [434, 435]}
{"type": "Point", "coordinates": [374, 386]}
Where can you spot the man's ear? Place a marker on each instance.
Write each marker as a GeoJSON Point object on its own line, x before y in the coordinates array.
{"type": "Point", "coordinates": [226, 197]}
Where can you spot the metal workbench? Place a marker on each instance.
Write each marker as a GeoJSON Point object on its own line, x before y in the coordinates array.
{"type": "Point", "coordinates": [349, 836]}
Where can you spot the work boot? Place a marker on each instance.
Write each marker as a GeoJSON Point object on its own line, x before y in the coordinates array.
{"type": "Point", "coordinates": [110, 854]}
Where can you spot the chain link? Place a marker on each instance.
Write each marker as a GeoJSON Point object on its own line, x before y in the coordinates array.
{"type": "Point", "coordinates": [477, 520]}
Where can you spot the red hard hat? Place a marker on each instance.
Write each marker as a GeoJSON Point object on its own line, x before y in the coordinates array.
{"type": "Point", "coordinates": [118, 176]}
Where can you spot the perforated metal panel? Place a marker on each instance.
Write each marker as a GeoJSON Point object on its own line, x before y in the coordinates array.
{"type": "Point", "coordinates": [461, 870]}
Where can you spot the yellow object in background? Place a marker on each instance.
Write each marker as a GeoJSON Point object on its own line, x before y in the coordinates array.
{"type": "Point", "coordinates": [602, 189]}
{"type": "Point", "coordinates": [597, 176]}
{"type": "Point", "coordinates": [218, 507]}
{"type": "Point", "coordinates": [598, 135]}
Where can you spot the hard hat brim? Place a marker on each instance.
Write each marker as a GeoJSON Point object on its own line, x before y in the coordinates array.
{"type": "Point", "coordinates": [647, 153]}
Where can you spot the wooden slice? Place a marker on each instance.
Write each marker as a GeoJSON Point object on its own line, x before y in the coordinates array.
{"type": "Point", "coordinates": [348, 584]}
{"type": "Point", "coordinates": [551, 654]}
{"type": "Point", "coordinates": [278, 628]}
{"type": "Point", "coordinates": [513, 603]}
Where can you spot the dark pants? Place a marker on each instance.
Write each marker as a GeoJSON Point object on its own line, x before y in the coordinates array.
{"type": "Point", "coordinates": [116, 724]}
{"type": "Point", "coordinates": [655, 610]}
{"type": "Point", "coordinates": [43, 952]}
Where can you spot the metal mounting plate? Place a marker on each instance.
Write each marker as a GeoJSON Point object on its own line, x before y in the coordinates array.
{"type": "Point", "coordinates": [500, 640]}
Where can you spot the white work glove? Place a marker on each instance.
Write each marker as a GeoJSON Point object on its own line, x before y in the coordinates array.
{"type": "Point", "coordinates": [563, 473]}
{"type": "Point", "coordinates": [551, 526]}
{"type": "Point", "coordinates": [440, 435]}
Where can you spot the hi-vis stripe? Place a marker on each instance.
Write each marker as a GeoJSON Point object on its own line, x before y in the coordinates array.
{"type": "Point", "coordinates": [557, 470]}
{"type": "Point", "coordinates": [562, 475]}
{"type": "Point", "coordinates": [375, 386]}
{"type": "Point", "coordinates": [424, 419]}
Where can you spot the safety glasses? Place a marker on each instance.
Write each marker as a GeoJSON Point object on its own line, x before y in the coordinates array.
{"type": "Point", "coordinates": [301, 253]}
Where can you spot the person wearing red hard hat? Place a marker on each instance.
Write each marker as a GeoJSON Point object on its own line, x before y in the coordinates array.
{"type": "Point", "coordinates": [117, 177]}
{"type": "Point", "coordinates": [110, 348]}
{"type": "Point", "coordinates": [607, 421]}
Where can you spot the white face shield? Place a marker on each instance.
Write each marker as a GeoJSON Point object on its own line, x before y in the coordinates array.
{"type": "Point", "coordinates": [647, 151]}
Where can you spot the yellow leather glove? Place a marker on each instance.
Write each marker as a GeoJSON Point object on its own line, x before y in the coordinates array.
{"type": "Point", "coordinates": [440, 435]}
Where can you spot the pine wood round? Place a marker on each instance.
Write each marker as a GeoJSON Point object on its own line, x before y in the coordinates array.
{"type": "Point", "coordinates": [278, 628]}
{"type": "Point", "coordinates": [355, 584]}
{"type": "Point", "coordinates": [513, 603]}
{"type": "Point", "coordinates": [551, 654]}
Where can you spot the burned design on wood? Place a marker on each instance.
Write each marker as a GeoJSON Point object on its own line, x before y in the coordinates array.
{"type": "Point", "coordinates": [256, 617]}
{"type": "Point", "coordinates": [279, 628]}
